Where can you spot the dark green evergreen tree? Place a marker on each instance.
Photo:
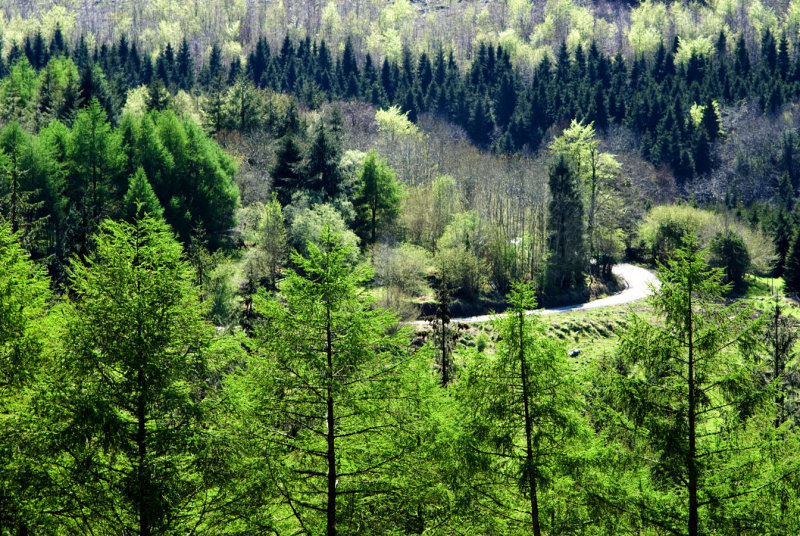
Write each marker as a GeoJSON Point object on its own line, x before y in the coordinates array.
{"type": "Point", "coordinates": [791, 273]}
{"type": "Point", "coordinates": [321, 166]}
{"type": "Point", "coordinates": [567, 261]}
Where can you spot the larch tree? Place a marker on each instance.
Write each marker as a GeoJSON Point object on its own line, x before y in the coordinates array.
{"type": "Point", "coordinates": [328, 401]}
{"type": "Point", "coordinates": [689, 407]}
{"type": "Point", "coordinates": [124, 413]}
{"type": "Point", "coordinates": [521, 416]}
{"type": "Point", "coordinates": [24, 306]}
{"type": "Point", "coordinates": [380, 195]}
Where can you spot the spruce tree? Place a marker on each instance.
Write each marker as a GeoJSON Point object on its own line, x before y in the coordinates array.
{"type": "Point", "coordinates": [286, 171]}
{"type": "Point", "coordinates": [567, 260]}
{"type": "Point", "coordinates": [791, 273]}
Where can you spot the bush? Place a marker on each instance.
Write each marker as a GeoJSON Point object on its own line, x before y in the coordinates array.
{"type": "Point", "coordinates": [728, 251]}
{"type": "Point", "coordinates": [308, 223]}
{"type": "Point", "coordinates": [665, 226]}
{"type": "Point", "coordinates": [402, 268]}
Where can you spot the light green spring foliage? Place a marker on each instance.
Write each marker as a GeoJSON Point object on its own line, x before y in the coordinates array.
{"type": "Point", "coordinates": [380, 195]}
{"type": "Point", "coordinates": [24, 297]}
{"type": "Point", "coordinates": [140, 198]}
{"type": "Point", "coordinates": [331, 382]}
{"type": "Point", "coordinates": [599, 173]}
{"type": "Point", "coordinates": [527, 30]}
{"type": "Point", "coordinates": [308, 223]}
{"type": "Point", "coordinates": [664, 227]}
{"type": "Point", "coordinates": [459, 253]}
{"type": "Point", "coordinates": [403, 268]}
{"type": "Point", "coordinates": [395, 125]}
{"type": "Point", "coordinates": [24, 339]}
{"type": "Point", "coordinates": [520, 417]}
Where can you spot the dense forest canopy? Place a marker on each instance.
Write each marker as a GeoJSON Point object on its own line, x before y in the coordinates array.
{"type": "Point", "coordinates": [219, 221]}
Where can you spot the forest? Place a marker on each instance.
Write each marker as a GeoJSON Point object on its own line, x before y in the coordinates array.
{"type": "Point", "coordinates": [238, 241]}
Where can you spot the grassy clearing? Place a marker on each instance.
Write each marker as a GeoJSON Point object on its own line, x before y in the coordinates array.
{"type": "Point", "coordinates": [759, 287]}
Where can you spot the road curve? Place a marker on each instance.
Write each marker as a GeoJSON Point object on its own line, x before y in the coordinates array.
{"type": "Point", "coordinates": [638, 285]}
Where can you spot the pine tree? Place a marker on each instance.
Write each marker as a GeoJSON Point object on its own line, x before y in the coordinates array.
{"type": "Point", "coordinates": [480, 124]}
{"type": "Point", "coordinates": [18, 202]}
{"type": "Point", "coordinates": [782, 239]}
{"type": "Point", "coordinates": [94, 165]}
{"type": "Point", "coordinates": [157, 95]}
{"type": "Point", "coordinates": [214, 105]}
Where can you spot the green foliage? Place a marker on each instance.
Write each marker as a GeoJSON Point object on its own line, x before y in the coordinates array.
{"type": "Point", "coordinates": [140, 198]}
{"type": "Point", "coordinates": [729, 252]}
{"type": "Point", "coordinates": [403, 268]}
{"type": "Point", "coordinates": [24, 305]}
{"type": "Point", "coordinates": [599, 173]}
{"type": "Point", "coordinates": [94, 171]}
{"type": "Point", "coordinates": [459, 254]}
{"type": "Point", "coordinates": [664, 227]}
{"type": "Point", "coordinates": [791, 274]}
{"type": "Point", "coordinates": [688, 404]}
{"type": "Point", "coordinates": [567, 262]}
{"type": "Point", "coordinates": [520, 414]}
{"type": "Point", "coordinates": [328, 406]}
{"type": "Point", "coordinates": [126, 402]}
{"type": "Point", "coordinates": [308, 224]}
{"type": "Point", "coordinates": [380, 195]}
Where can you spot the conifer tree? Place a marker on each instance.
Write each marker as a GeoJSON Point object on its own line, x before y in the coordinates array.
{"type": "Point", "coordinates": [127, 404]}
{"type": "Point", "coordinates": [685, 390]}
{"type": "Point", "coordinates": [791, 274]}
{"type": "Point", "coordinates": [565, 221]}
{"type": "Point", "coordinates": [329, 376]}
{"type": "Point", "coordinates": [380, 194]}
{"type": "Point", "coordinates": [286, 171]}
{"type": "Point", "coordinates": [140, 199]}
{"type": "Point", "coordinates": [242, 104]}
{"type": "Point", "coordinates": [321, 166]}
{"type": "Point", "coordinates": [24, 302]}
{"type": "Point", "coordinates": [521, 420]}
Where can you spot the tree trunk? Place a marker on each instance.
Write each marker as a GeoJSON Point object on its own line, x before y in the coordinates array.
{"type": "Point", "coordinates": [330, 436]}
{"type": "Point", "coordinates": [528, 428]}
{"type": "Point", "coordinates": [141, 444]}
{"type": "Point", "coordinates": [374, 210]}
{"type": "Point", "coordinates": [692, 455]}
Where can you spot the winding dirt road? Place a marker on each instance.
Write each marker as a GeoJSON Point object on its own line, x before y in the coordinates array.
{"type": "Point", "coordinates": [638, 282]}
